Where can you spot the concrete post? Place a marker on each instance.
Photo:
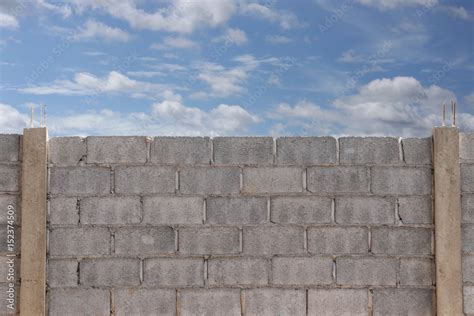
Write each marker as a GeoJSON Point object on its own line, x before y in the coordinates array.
{"type": "Point", "coordinates": [33, 222]}
{"type": "Point", "coordinates": [447, 203]}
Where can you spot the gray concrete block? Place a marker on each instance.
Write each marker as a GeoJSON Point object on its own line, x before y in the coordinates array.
{"type": "Point", "coordinates": [5, 233]}
{"type": "Point", "coordinates": [338, 179]}
{"type": "Point", "coordinates": [9, 178]}
{"type": "Point", "coordinates": [66, 151]}
{"type": "Point", "coordinates": [237, 210]}
{"type": "Point", "coordinates": [12, 201]}
{"type": "Point", "coordinates": [209, 180]}
{"type": "Point", "coordinates": [467, 205]}
{"type": "Point", "coordinates": [306, 150]}
{"type": "Point", "coordinates": [144, 241]}
{"type": "Point", "coordinates": [163, 210]}
{"type": "Point", "coordinates": [466, 146]}
{"type": "Point", "coordinates": [302, 270]}
{"type": "Point", "coordinates": [333, 240]}
{"type": "Point", "coordinates": [9, 147]}
{"type": "Point", "coordinates": [109, 272]}
{"type": "Point", "coordinates": [269, 302]}
{"type": "Point", "coordinates": [468, 238]}
{"type": "Point", "coordinates": [181, 150]}
{"type": "Point", "coordinates": [417, 271]}
{"type": "Point", "coordinates": [79, 241]}
{"type": "Point", "coordinates": [401, 180]}
{"type": "Point", "coordinates": [145, 179]}
{"type": "Point", "coordinates": [415, 209]}
{"type": "Point", "coordinates": [403, 302]}
{"type": "Point", "coordinates": [372, 150]}
{"type": "Point", "coordinates": [173, 272]}
{"type": "Point", "coordinates": [63, 211]}
{"type": "Point", "coordinates": [273, 240]}
{"type": "Point", "coordinates": [243, 150]}
{"type": "Point", "coordinates": [468, 294]}
{"type": "Point", "coordinates": [62, 273]}
{"type": "Point", "coordinates": [133, 301]}
{"type": "Point", "coordinates": [468, 269]}
{"type": "Point", "coordinates": [467, 177]}
{"type": "Point", "coordinates": [417, 150]}
{"type": "Point", "coordinates": [79, 302]}
{"type": "Point", "coordinates": [209, 302]}
{"type": "Point", "coordinates": [10, 296]}
{"type": "Point", "coordinates": [216, 240]}
{"type": "Point", "coordinates": [365, 210]}
{"type": "Point", "coordinates": [110, 210]}
{"type": "Point", "coordinates": [336, 302]}
{"type": "Point", "coordinates": [9, 268]}
{"type": "Point", "coordinates": [401, 240]}
{"type": "Point", "coordinates": [115, 149]}
{"type": "Point", "coordinates": [237, 271]}
{"type": "Point", "coordinates": [366, 271]}
{"type": "Point", "coordinates": [79, 180]}
{"type": "Point", "coordinates": [301, 210]}
{"type": "Point", "coordinates": [273, 180]}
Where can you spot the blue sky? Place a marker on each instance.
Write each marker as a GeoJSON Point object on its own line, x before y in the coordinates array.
{"type": "Point", "coordinates": [236, 67]}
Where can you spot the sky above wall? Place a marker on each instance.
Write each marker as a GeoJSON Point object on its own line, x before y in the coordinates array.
{"type": "Point", "coordinates": [236, 67]}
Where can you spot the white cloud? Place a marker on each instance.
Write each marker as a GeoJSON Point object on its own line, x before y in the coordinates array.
{"type": "Point", "coordinates": [350, 56]}
{"type": "Point", "coordinates": [278, 39]}
{"type": "Point", "coordinates": [8, 21]}
{"type": "Point", "coordinates": [93, 29]}
{"type": "Point", "coordinates": [233, 36]}
{"type": "Point", "coordinates": [64, 10]}
{"type": "Point", "coordinates": [145, 74]}
{"type": "Point", "coordinates": [286, 19]}
{"type": "Point", "coordinates": [469, 99]}
{"type": "Point", "coordinates": [394, 4]}
{"type": "Point", "coordinates": [11, 120]}
{"type": "Point", "coordinates": [174, 42]}
{"type": "Point", "coordinates": [459, 12]}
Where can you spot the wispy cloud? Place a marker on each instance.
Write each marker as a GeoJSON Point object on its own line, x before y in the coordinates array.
{"type": "Point", "coordinates": [278, 39]}
{"type": "Point", "coordinates": [97, 30]}
{"type": "Point", "coordinates": [171, 42]}
{"type": "Point", "coordinates": [8, 21]}
{"type": "Point", "coordinates": [232, 36]}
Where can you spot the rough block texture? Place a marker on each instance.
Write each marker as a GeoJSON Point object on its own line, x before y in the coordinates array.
{"type": "Point", "coordinates": [209, 180]}
{"type": "Point", "coordinates": [371, 150]}
{"type": "Point", "coordinates": [244, 210]}
{"type": "Point", "coordinates": [273, 240]}
{"type": "Point", "coordinates": [9, 178]}
{"type": "Point", "coordinates": [116, 149]}
{"type": "Point", "coordinates": [417, 150]}
{"type": "Point", "coordinates": [243, 150]}
{"type": "Point", "coordinates": [238, 271]}
{"type": "Point", "coordinates": [273, 180]}
{"type": "Point", "coordinates": [173, 272]}
{"type": "Point", "coordinates": [337, 302]}
{"type": "Point", "coordinates": [181, 150]}
{"type": "Point", "coordinates": [62, 273]}
{"type": "Point", "coordinates": [366, 271]}
{"type": "Point", "coordinates": [110, 272]}
{"type": "Point", "coordinates": [160, 210]}
{"type": "Point", "coordinates": [145, 302]}
{"type": "Point", "coordinates": [301, 210]}
{"type": "Point", "coordinates": [141, 241]}
{"type": "Point", "coordinates": [145, 180]}
{"type": "Point", "coordinates": [303, 270]}
{"type": "Point", "coordinates": [111, 210]}
{"type": "Point", "coordinates": [466, 146]}
{"type": "Point", "coordinates": [210, 302]}
{"type": "Point", "coordinates": [219, 240]}
{"type": "Point", "coordinates": [333, 240]}
{"type": "Point", "coordinates": [365, 210]}
{"type": "Point", "coordinates": [338, 179]}
{"type": "Point", "coordinates": [408, 241]}
{"type": "Point", "coordinates": [268, 302]}
{"type": "Point", "coordinates": [63, 211]}
{"type": "Point", "coordinates": [79, 241]}
{"type": "Point", "coordinates": [403, 302]}
{"type": "Point", "coordinates": [79, 302]}
{"type": "Point", "coordinates": [68, 151]}
{"type": "Point", "coordinates": [467, 177]}
{"type": "Point", "coordinates": [306, 150]}
{"type": "Point", "coordinates": [467, 206]}
{"type": "Point", "coordinates": [9, 148]}
{"type": "Point", "coordinates": [415, 209]}
{"type": "Point", "coordinates": [417, 272]}
{"type": "Point", "coordinates": [79, 180]}
{"type": "Point", "coordinates": [400, 180]}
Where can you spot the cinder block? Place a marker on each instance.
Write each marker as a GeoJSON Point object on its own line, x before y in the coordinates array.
{"type": "Point", "coordinates": [306, 150]}
{"type": "Point", "coordinates": [209, 180]}
{"type": "Point", "coordinates": [301, 210]}
{"type": "Point", "coordinates": [302, 270]}
{"type": "Point", "coordinates": [416, 271]}
{"type": "Point", "coordinates": [63, 211]}
{"type": "Point", "coordinates": [468, 269]}
{"type": "Point", "coordinates": [338, 179]}
{"type": "Point", "coordinates": [145, 302]}
{"type": "Point", "coordinates": [371, 150]}
{"type": "Point", "coordinates": [467, 177]}
{"type": "Point", "coordinates": [9, 178]}
{"type": "Point", "coordinates": [243, 150]}
{"type": "Point", "coordinates": [336, 302]}
{"type": "Point", "coordinates": [110, 210]}
{"type": "Point", "coordinates": [273, 240]}
{"type": "Point", "coordinates": [115, 149]}
{"type": "Point", "coordinates": [417, 150]}
{"type": "Point", "coordinates": [366, 271]}
{"type": "Point", "coordinates": [109, 272]}
{"type": "Point", "coordinates": [62, 273]}
{"type": "Point", "coordinates": [145, 179]}
{"type": "Point", "coordinates": [273, 180]}
{"type": "Point", "coordinates": [333, 240]}
{"type": "Point", "coordinates": [5, 297]}
{"type": "Point", "coordinates": [181, 150]}
{"type": "Point", "coordinates": [79, 180]}
{"type": "Point", "coordinates": [468, 299]}
{"type": "Point", "coordinates": [236, 210]}
{"type": "Point", "coordinates": [467, 205]}
{"type": "Point", "coordinates": [9, 267]}
{"type": "Point", "coordinates": [269, 302]}
{"type": "Point", "coordinates": [9, 147]}
{"type": "Point", "coordinates": [209, 302]}
{"type": "Point", "coordinates": [144, 241]}
{"type": "Point", "coordinates": [466, 146]}
{"type": "Point", "coordinates": [415, 209]}
{"type": "Point", "coordinates": [160, 210]}
{"type": "Point", "coordinates": [66, 151]}
{"type": "Point", "coordinates": [365, 210]}
{"type": "Point", "coordinates": [173, 272]}
{"type": "Point", "coordinates": [218, 240]}
{"type": "Point", "coordinates": [401, 240]}
{"type": "Point", "coordinates": [4, 246]}
{"type": "Point", "coordinates": [237, 271]}
{"type": "Point", "coordinates": [401, 180]}
{"type": "Point", "coordinates": [79, 302]}
{"type": "Point", "coordinates": [79, 241]}
{"type": "Point", "coordinates": [468, 238]}
{"type": "Point", "coordinates": [5, 202]}
{"type": "Point", "coordinates": [403, 302]}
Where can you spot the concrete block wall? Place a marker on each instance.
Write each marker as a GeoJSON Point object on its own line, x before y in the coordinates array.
{"type": "Point", "coordinates": [253, 226]}
{"type": "Point", "coordinates": [10, 165]}
{"type": "Point", "coordinates": [466, 155]}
